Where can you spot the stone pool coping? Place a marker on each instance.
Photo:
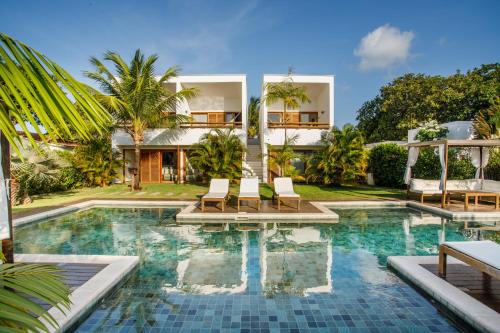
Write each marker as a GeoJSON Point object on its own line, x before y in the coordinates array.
{"type": "Point", "coordinates": [464, 306]}
{"type": "Point", "coordinates": [85, 297]}
{"type": "Point", "coordinates": [186, 215]}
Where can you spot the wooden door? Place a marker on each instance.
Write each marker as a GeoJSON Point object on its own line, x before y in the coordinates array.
{"type": "Point", "coordinates": [150, 166]}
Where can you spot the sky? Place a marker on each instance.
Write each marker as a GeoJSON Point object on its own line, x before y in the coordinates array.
{"type": "Point", "coordinates": [364, 44]}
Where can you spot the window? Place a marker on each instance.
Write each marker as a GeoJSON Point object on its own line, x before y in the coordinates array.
{"type": "Point", "coordinates": [309, 117]}
{"type": "Point", "coordinates": [232, 117]}
{"type": "Point", "coordinates": [200, 117]}
{"type": "Point", "coordinates": [275, 117]}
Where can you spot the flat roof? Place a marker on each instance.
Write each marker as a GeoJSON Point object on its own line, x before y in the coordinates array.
{"type": "Point", "coordinates": [457, 143]}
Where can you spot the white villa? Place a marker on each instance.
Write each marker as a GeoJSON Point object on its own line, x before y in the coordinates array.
{"type": "Point", "coordinates": [221, 103]}
{"type": "Point", "coordinates": [307, 123]}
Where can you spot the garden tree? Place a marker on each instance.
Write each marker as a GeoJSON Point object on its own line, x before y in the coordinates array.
{"type": "Point", "coordinates": [414, 98]}
{"type": "Point", "coordinates": [341, 158]}
{"type": "Point", "coordinates": [280, 159]}
{"type": "Point", "coordinates": [219, 154]}
{"type": "Point", "coordinates": [290, 94]}
{"type": "Point", "coordinates": [35, 90]}
{"type": "Point", "coordinates": [136, 98]}
{"type": "Point", "coordinates": [253, 117]}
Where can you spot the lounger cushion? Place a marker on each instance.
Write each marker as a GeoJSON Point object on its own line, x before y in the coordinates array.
{"type": "Point", "coordinates": [491, 186]}
{"type": "Point", "coordinates": [249, 195]}
{"type": "Point", "coordinates": [215, 195]}
{"type": "Point", "coordinates": [219, 185]}
{"type": "Point", "coordinates": [288, 194]}
{"type": "Point", "coordinates": [424, 186]}
{"type": "Point", "coordinates": [487, 252]}
{"type": "Point", "coordinates": [464, 185]}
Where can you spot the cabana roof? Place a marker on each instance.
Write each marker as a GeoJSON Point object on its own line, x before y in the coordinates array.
{"type": "Point", "coordinates": [457, 143]}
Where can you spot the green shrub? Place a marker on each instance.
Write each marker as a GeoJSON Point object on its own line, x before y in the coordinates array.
{"type": "Point", "coordinates": [429, 167]}
{"type": "Point", "coordinates": [388, 164]}
{"type": "Point", "coordinates": [492, 170]}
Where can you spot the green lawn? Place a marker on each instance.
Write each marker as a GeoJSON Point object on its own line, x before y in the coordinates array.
{"type": "Point", "coordinates": [194, 191]}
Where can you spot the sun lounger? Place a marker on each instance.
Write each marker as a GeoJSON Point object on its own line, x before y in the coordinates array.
{"type": "Point", "coordinates": [283, 190]}
{"type": "Point", "coordinates": [249, 190]}
{"type": "Point", "coordinates": [218, 191]}
{"type": "Point", "coordinates": [481, 255]}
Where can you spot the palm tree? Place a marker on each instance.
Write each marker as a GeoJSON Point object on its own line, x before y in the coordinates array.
{"type": "Point", "coordinates": [291, 95]}
{"type": "Point", "coordinates": [35, 90]}
{"type": "Point", "coordinates": [343, 157]}
{"type": "Point", "coordinates": [281, 158]}
{"type": "Point", "coordinates": [487, 123]}
{"type": "Point", "coordinates": [138, 99]}
{"type": "Point", "coordinates": [253, 116]}
{"type": "Point", "coordinates": [219, 154]}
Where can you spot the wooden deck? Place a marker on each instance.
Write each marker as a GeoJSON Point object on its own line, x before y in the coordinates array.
{"type": "Point", "coordinates": [471, 281]}
{"type": "Point", "coordinates": [267, 206]}
{"type": "Point", "coordinates": [75, 275]}
{"type": "Point", "coordinates": [457, 205]}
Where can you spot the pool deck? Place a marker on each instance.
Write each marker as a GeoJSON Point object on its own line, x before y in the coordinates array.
{"type": "Point", "coordinates": [90, 279]}
{"type": "Point", "coordinates": [463, 292]}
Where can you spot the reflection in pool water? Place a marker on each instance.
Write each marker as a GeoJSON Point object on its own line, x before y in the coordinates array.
{"type": "Point", "coordinates": [284, 277]}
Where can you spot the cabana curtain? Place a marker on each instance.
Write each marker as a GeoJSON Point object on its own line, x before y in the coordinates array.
{"type": "Point", "coordinates": [442, 160]}
{"type": "Point", "coordinates": [479, 164]}
{"type": "Point", "coordinates": [4, 204]}
{"type": "Point", "coordinates": [412, 160]}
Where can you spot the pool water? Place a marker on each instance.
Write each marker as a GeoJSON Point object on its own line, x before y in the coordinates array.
{"type": "Point", "coordinates": [274, 278]}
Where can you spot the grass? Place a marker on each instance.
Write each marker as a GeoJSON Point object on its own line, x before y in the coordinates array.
{"type": "Point", "coordinates": [194, 191]}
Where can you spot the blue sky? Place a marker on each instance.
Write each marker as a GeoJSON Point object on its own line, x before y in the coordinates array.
{"type": "Point", "coordinates": [364, 44]}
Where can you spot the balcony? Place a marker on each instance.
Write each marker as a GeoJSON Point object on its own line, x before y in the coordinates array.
{"type": "Point", "coordinates": [214, 119]}
{"type": "Point", "coordinates": [307, 120]}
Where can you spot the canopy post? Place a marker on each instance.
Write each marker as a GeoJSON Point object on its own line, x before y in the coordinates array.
{"type": "Point", "coordinates": [7, 244]}
{"type": "Point", "coordinates": [481, 176]}
{"type": "Point", "coordinates": [443, 194]}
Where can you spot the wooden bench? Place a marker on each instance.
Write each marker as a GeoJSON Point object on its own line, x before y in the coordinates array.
{"type": "Point", "coordinates": [481, 255]}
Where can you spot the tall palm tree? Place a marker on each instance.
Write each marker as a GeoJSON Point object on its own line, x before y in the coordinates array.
{"type": "Point", "coordinates": [343, 157]}
{"type": "Point", "coordinates": [290, 94]}
{"type": "Point", "coordinates": [137, 99]}
{"type": "Point", "coordinates": [281, 158]}
{"type": "Point", "coordinates": [253, 116]}
{"type": "Point", "coordinates": [37, 91]}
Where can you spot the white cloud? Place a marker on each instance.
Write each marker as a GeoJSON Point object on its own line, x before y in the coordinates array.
{"type": "Point", "coordinates": [384, 47]}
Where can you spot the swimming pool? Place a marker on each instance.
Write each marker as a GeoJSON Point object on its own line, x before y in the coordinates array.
{"type": "Point", "coordinates": [274, 278]}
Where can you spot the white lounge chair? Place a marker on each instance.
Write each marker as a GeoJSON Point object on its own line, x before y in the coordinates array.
{"type": "Point", "coordinates": [249, 190]}
{"type": "Point", "coordinates": [481, 255]}
{"type": "Point", "coordinates": [218, 191]}
{"type": "Point", "coordinates": [283, 190]}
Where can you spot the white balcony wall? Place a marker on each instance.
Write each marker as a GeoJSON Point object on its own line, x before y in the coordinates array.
{"type": "Point", "coordinates": [219, 97]}
{"type": "Point", "coordinates": [155, 138]}
{"type": "Point", "coordinates": [305, 137]}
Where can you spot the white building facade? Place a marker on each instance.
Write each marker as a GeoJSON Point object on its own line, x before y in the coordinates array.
{"type": "Point", "coordinates": [221, 103]}
{"type": "Point", "coordinates": [307, 123]}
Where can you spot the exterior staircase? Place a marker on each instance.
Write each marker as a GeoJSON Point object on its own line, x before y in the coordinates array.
{"type": "Point", "coordinates": [253, 162]}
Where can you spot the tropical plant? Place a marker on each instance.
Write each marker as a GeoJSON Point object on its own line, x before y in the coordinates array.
{"type": "Point", "coordinates": [253, 117]}
{"type": "Point", "coordinates": [20, 312]}
{"type": "Point", "coordinates": [137, 99]}
{"type": "Point", "coordinates": [280, 159]}
{"type": "Point", "coordinates": [97, 161]}
{"type": "Point", "coordinates": [219, 154]}
{"type": "Point", "coordinates": [36, 90]}
{"type": "Point", "coordinates": [388, 164]}
{"type": "Point", "coordinates": [287, 92]}
{"type": "Point", "coordinates": [487, 123]}
{"type": "Point", "coordinates": [431, 130]}
{"type": "Point", "coordinates": [36, 171]}
{"type": "Point", "coordinates": [342, 157]}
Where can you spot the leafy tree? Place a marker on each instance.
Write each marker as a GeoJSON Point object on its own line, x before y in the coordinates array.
{"type": "Point", "coordinates": [342, 157]}
{"type": "Point", "coordinates": [253, 117]}
{"type": "Point", "coordinates": [290, 94]}
{"type": "Point", "coordinates": [281, 158]}
{"type": "Point", "coordinates": [219, 154]}
{"type": "Point", "coordinates": [388, 164]}
{"type": "Point", "coordinates": [138, 99]}
{"type": "Point", "coordinates": [36, 90]}
{"type": "Point", "coordinates": [415, 98]}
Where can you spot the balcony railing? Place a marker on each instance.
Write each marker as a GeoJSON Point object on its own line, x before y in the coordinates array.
{"type": "Point", "coordinates": [289, 124]}
{"type": "Point", "coordinates": [201, 124]}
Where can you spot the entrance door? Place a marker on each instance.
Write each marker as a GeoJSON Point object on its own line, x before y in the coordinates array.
{"type": "Point", "coordinates": [150, 166]}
